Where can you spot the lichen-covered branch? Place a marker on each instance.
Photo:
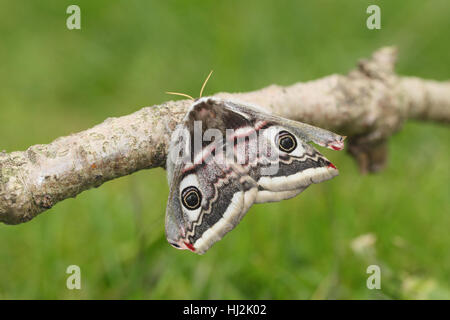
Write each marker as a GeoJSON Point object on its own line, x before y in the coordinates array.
{"type": "Point", "coordinates": [368, 105]}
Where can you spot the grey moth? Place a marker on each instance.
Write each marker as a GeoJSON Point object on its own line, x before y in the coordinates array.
{"type": "Point", "coordinates": [227, 155]}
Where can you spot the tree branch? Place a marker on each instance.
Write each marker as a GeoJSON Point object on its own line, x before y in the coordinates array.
{"type": "Point", "coordinates": [368, 105]}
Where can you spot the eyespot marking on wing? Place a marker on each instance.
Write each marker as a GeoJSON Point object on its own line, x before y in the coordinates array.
{"type": "Point", "coordinates": [188, 187]}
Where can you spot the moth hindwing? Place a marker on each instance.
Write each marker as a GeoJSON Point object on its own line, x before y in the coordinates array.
{"type": "Point", "coordinates": [225, 156]}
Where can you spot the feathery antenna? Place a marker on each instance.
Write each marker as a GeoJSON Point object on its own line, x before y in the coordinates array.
{"type": "Point", "coordinates": [188, 96]}
{"type": "Point", "coordinates": [180, 94]}
{"type": "Point", "coordinates": [204, 83]}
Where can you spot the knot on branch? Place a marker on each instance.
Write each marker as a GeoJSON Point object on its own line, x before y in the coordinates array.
{"type": "Point", "coordinates": [381, 65]}
{"type": "Point", "coordinates": [381, 105]}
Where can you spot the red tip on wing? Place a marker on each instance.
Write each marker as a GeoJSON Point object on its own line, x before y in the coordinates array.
{"type": "Point", "coordinates": [189, 246]}
{"type": "Point", "coordinates": [330, 165]}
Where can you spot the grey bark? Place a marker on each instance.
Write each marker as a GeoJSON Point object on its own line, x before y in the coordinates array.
{"type": "Point", "coordinates": [368, 105]}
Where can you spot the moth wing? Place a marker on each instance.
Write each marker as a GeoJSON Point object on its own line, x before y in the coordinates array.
{"type": "Point", "coordinates": [306, 132]}
{"type": "Point", "coordinates": [227, 191]}
{"type": "Point", "coordinates": [232, 195]}
{"type": "Point", "coordinates": [288, 171]}
{"type": "Point", "coordinates": [280, 174]}
{"type": "Point", "coordinates": [265, 195]}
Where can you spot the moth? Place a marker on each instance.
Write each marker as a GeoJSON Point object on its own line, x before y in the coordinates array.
{"type": "Point", "coordinates": [226, 156]}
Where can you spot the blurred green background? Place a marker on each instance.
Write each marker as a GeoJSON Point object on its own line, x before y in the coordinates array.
{"type": "Point", "coordinates": [317, 246]}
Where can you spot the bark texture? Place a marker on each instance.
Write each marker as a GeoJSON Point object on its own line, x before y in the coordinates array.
{"type": "Point", "coordinates": [368, 105]}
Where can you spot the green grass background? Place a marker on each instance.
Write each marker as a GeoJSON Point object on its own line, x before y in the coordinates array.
{"type": "Point", "coordinates": [128, 53]}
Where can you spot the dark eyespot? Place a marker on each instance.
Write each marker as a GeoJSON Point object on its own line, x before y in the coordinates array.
{"type": "Point", "coordinates": [175, 245]}
{"type": "Point", "coordinates": [191, 198]}
{"type": "Point", "coordinates": [286, 142]}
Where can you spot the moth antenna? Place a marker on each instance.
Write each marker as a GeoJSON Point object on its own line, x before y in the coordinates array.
{"type": "Point", "coordinates": [180, 94]}
{"type": "Point", "coordinates": [204, 83]}
{"type": "Point", "coordinates": [188, 96]}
